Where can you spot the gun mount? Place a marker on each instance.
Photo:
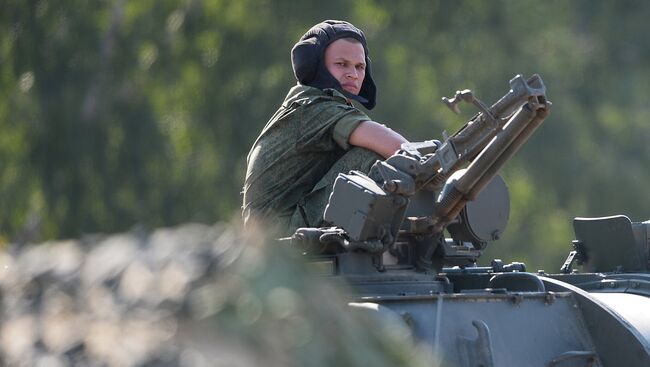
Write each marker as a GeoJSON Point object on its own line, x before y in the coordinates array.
{"type": "Point", "coordinates": [405, 203]}
{"type": "Point", "coordinates": [407, 235]}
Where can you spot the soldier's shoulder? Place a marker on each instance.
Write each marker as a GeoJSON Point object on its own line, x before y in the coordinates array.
{"type": "Point", "coordinates": [303, 95]}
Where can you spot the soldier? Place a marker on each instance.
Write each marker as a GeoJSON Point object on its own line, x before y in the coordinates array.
{"type": "Point", "coordinates": [317, 132]}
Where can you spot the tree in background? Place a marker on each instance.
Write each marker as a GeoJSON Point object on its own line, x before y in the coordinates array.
{"type": "Point", "coordinates": [120, 113]}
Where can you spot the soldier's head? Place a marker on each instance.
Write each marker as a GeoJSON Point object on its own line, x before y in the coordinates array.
{"type": "Point", "coordinates": [334, 54]}
{"type": "Point", "coordinates": [345, 59]}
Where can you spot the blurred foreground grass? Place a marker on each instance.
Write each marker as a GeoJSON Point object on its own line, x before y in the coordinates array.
{"type": "Point", "coordinates": [193, 295]}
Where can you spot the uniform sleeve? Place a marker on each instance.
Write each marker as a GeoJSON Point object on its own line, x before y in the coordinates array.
{"type": "Point", "coordinates": [326, 125]}
{"type": "Point", "coordinates": [346, 125]}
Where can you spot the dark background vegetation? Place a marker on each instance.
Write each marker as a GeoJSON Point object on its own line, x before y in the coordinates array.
{"type": "Point", "coordinates": [122, 113]}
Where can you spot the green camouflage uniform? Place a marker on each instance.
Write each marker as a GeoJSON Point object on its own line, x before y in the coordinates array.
{"type": "Point", "coordinates": [295, 160]}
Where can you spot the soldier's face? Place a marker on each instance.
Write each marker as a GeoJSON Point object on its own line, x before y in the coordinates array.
{"type": "Point", "coordinates": [346, 61]}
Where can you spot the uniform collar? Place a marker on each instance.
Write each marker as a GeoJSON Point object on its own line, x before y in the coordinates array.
{"type": "Point", "coordinates": [300, 91]}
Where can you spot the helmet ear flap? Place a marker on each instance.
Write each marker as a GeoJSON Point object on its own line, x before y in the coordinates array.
{"type": "Point", "coordinates": [368, 88]}
{"type": "Point", "coordinates": [305, 60]}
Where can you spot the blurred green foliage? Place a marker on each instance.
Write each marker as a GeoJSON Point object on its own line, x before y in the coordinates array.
{"type": "Point", "coordinates": [116, 113]}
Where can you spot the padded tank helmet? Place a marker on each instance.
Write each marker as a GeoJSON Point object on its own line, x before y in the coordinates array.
{"type": "Point", "coordinates": [308, 59]}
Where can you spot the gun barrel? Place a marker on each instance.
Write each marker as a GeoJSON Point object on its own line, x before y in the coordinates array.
{"type": "Point", "coordinates": [488, 162]}
{"type": "Point", "coordinates": [520, 90]}
{"type": "Point", "coordinates": [489, 155]}
{"type": "Point", "coordinates": [471, 139]}
{"type": "Point", "coordinates": [510, 151]}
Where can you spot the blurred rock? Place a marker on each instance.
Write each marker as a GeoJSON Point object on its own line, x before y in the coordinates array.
{"type": "Point", "coordinates": [194, 295]}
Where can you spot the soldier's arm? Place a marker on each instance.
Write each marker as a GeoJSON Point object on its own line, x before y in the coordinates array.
{"type": "Point", "coordinates": [377, 137]}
